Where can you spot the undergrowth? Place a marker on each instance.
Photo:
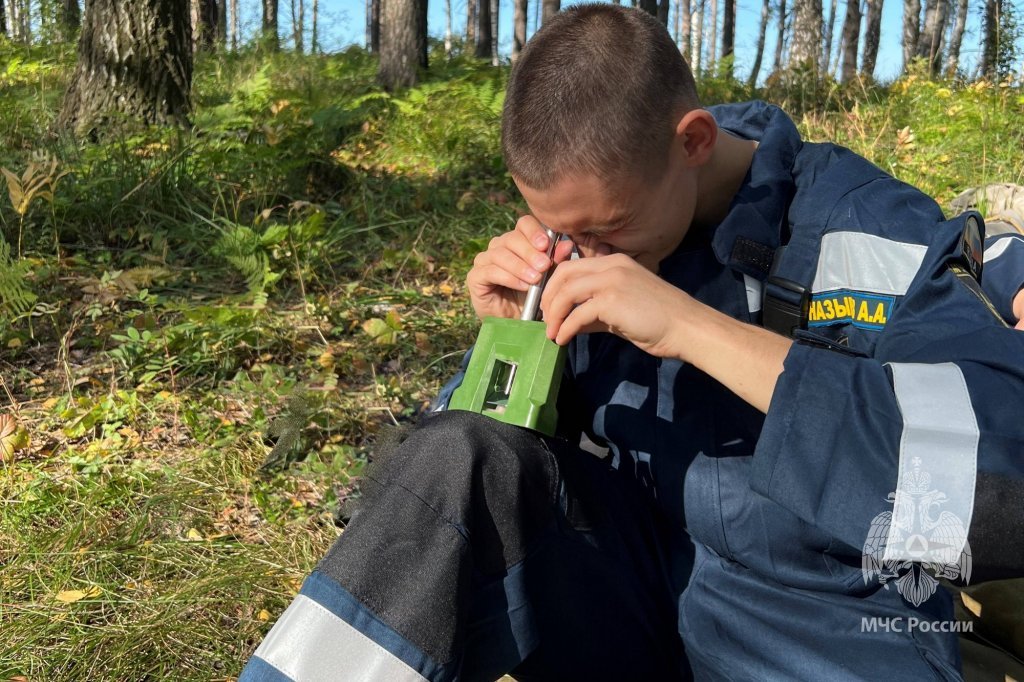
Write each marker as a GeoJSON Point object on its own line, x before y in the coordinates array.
{"type": "Point", "coordinates": [202, 331]}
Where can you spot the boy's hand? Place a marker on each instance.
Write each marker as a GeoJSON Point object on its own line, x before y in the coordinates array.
{"type": "Point", "coordinates": [501, 275]}
{"type": "Point", "coordinates": [615, 294]}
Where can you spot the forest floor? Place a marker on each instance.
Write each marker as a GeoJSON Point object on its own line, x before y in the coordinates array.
{"type": "Point", "coordinates": [203, 332]}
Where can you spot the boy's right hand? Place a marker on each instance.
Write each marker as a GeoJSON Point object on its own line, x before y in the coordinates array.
{"type": "Point", "coordinates": [501, 275]}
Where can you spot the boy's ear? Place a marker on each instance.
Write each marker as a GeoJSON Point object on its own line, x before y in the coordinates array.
{"type": "Point", "coordinates": [696, 134]}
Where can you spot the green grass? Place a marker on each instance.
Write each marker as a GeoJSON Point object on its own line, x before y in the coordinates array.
{"type": "Point", "coordinates": [282, 281]}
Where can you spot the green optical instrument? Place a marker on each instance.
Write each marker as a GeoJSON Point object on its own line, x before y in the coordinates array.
{"type": "Point", "coordinates": [515, 370]}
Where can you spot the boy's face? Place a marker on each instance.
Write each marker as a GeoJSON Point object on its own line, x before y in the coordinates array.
{"type": "Point", "coordinates": [645, 221]}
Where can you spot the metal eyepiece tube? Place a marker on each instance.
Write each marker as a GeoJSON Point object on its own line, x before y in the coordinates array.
{"type": "Point", "coordinates": [531, 308]}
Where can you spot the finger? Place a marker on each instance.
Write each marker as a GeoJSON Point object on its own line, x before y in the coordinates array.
{"type": "Point", "coordinates": [506, 252]}
{"type": "Point", "coordinates": [534, 232]}
{"type": "Point", "coordinates": [563, 251]}
{"type": "Point", "coordinates": [1020, 325]}
{"type": "Point", "coordinates": [566, 292]}
{"type": "Point", "coordinates": [491, 274]}
{"type": "Point", "coordinates": [520, 244]}
{"type": "Point", "coordinates": [585, 318]}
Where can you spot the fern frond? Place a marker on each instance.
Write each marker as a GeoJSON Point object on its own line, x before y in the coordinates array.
{"type": "Point", "coordinates": [15, 297]}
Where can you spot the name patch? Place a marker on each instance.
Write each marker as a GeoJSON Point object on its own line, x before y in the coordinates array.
{"type": "Point", "coordinates": [867, 311]}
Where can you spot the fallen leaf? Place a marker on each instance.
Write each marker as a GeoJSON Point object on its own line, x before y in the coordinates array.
{"type": "Point", "coordinates": [194, 534]}
{"type": "Point", "coordinates": [264, 615]}
{"type": "Point", "coordinates": [71, 596]}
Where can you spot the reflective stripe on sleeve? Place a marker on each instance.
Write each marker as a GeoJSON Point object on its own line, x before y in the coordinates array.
{"type": "Point", "coordinates": [865, 262]}
{"type": "Point", "coordinates": [1000, 246]}
{"type": "Point", "coordinates": [311, 644]}
{"type": "Point", "coordinates": [937, 464]}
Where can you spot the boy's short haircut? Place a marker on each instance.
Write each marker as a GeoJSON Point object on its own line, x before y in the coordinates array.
{"type": "Point", "coordinates": [596, 92]}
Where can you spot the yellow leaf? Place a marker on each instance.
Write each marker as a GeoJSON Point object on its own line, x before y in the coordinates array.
{"type": "Point", "coordinates": [8, 437]}
{"type": "Point", "coordinates": [15, 342]}
{"type": "Point", "coordinates": [193, 534]}
{"type": "Point", "coordinates": [380, 331]}
{"type": "Point", "coordinates": [50, 403]}
{"type": "Point", "coordinates": [71, 596]}
{"type": "Point", "coordinates": [264, 615]}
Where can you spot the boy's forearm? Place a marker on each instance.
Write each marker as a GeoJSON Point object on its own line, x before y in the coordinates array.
{"type": "Point", "coordinates": [745, 358]}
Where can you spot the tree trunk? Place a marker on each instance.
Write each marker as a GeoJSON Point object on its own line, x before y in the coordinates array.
{"type": "Point", "coordinates": [3, 19]}
{"type": "Point", "coordinates": [422, 46]}
{"type": "Point", "coordinates": [373, 26]}
{"type": "Point", "coordinates": [222, 21]}
{"type": "Point", "coordinates": [780, 40]}
{"type": "Point", "coordinates": [851, 37]}
{"type": "Point", "coordinates": [956, 39]}
{"type": "Point", "coordinates": [495, 7]}
{"type": "Point", "coordinates": [519, 11]}
{"type": "Point", "coordinates": [314, 46]}
{"type": "Point", "coordinates": [70, 18]}
{"type": "Point", "coordinates": [990, 32]}
{"type": "Point", "coordinates": [134, 59]}
{"type": "Point", "coordinates": [447, 28]}
{"type": "Point", "coordinates": [472, 8]}
{"type": "Point", "coordinates": [698, 39]}
{"type": "Point", "coordinates": [931, 41]}
{"type": "Point", "coordinates": [728, 35]}
{"type": "Point", "coordinates": [398, 50]}
{"type": "Point", "coordinates": [872, 32]}
{"type": "Point", "coordinates": [911, 30]}
{"type": "Point", "coordinates": [298, 25]}
{"type": "Point", "coordinates": [234, 25]}
{"type": "Point", "coordinates": [762, 34]}
{"type": "Point", "coordinates": [830, 28]}
{"type": "Point", "coordinates": [549, 8]}
{"type": "Point", "coordinates": [206, 25]}
{"type": "Point", "coordinates": [270, 36]}
{"type": "Point", "coordinates": [713, 37]}
{"type": "Point", "coordinates": [663, 11]}
{"type": "Point", "coordinates": [686, 30]}
{"type": "Point", "coordinates": [483, 29]}
{"type": "Point", "coordinates": [805, 49]}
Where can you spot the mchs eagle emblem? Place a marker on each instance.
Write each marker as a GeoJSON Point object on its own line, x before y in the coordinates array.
{"type": "Point", "coordinates": [916, 543]}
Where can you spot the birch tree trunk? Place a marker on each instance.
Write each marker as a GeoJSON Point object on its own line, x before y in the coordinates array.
{"type": "Point", "coordinates": [495, 8]}
{"type": "Point", "coordinates": [698, 39]}
{"type": "Point", "coordinates": [447, 28]}
{"type": "Point", "coordinates": [713, 37]}
{"type": "Point", "coordinates": [398, 49]}
{"type": "Point", "coordinates": [519, 11]}
{"type": "Point", "coordinates": [872, 32]}
{"type": "Point", "coordinates": [956, 39]}
{"type": "Point", "coordinates": [850, 40]}
{"type": "Point", "coordinates": [806, 46]}
{"type": "Point", "coordinates": [686, 30]}
{"type": "Point", "coordinates": [830, 27]}
{"type": "Point", "coordinates": [762, 34]}
{"type": "Point", "coordinates": [911, 30]}
{"type": "Point", "coordinates": [134, 60]}
{"type": "Point", "coordinates": [780, 40]}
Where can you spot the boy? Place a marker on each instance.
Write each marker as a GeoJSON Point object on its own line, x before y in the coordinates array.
{"type": "Point", "coordinates": [737, 528]}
